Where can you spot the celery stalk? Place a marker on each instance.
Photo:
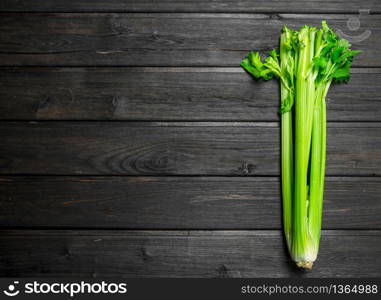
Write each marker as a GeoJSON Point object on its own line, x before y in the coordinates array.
{"type": "Point", "coordinates": [308, 61]}
{"type": "Point", "coordinates": [286, 141]}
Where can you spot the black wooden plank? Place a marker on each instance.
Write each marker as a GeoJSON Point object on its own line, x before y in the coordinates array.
{"type": "Point", "coordinates": [181, 254]}
{"type": "Point", "coordinates": [167, 94]}
{"type": "Point", "coordinates": [159, 39]}
{"type": "Point", "coordinates": [176, 202]}
{"type": "Point", "coordinates": [142, 148]}
{"type": "Point", "coordinates": [338, 6]}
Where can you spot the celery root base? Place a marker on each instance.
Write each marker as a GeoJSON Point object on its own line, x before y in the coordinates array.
{"type": "Point", "coordinates": [305, 264]}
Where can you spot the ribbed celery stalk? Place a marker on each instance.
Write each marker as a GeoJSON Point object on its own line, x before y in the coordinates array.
{"type": "Point", "coordinates": [301, 247]}
{"type": "Point", "coordinates": [287, 160]}
{"type": "Point", "coordinates": [309, 60]}
{"type": "Point", "coordinates": [317, 167]}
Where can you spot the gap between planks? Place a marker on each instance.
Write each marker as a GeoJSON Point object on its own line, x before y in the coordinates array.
{"type": "Point", "coordinates": [189, 123]}
{"type": "Point", "coordinates": [175, 232]}
{"type": "Point", "coordinates": [154, 69]}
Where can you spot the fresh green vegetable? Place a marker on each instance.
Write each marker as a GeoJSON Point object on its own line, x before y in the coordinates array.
{"type": "Point", "coordinates": [308, 61]}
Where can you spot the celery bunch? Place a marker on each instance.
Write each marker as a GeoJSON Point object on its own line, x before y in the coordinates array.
{"type": "Point", "coordinates": [308, 61]}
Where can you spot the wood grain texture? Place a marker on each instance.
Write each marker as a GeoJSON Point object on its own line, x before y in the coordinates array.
{"type": "Point", "coordinates": [168, 94]}
{"type": "Point", "coordinates": [338, 6]}
{"type": "Point", "coordinates": [177, 185]}
{"type": "Point", "coordinates": [149, 148]}
{"type": "Point", "coordinates": [176, 202]}
{"type": "Point", "coordinates": [160, 39]}
{"type": "Point", "coordinates": [181, 254]}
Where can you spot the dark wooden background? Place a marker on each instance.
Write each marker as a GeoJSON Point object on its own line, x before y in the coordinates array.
{"type": "Point", "coordinates": [132, 144]}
